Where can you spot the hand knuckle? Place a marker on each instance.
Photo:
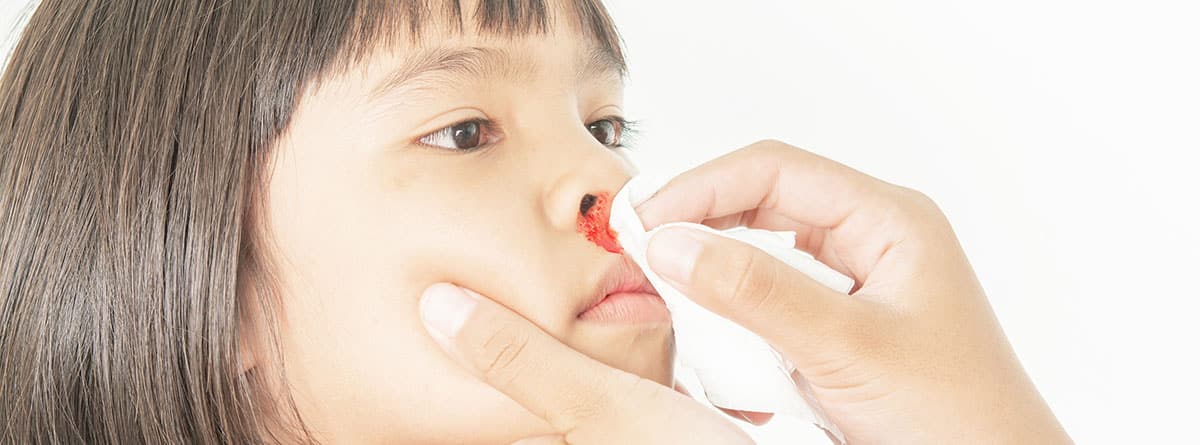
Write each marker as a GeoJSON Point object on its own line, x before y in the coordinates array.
{"type": "Point", "coordinates": [627, 391]}
{"type": "Point", "coordinates": [583, 411]}
{"type": "Point", "coordinates": [640, 389]}
{"type": "Point", "coordinates": [771, 146]}
{"type": "Point", "coordinates": [879, 335]}
{"type": "Point", "coordinates": [502, 352]}
{"type": "Point", "coordinates": [754, 283]}
{"type": "Point", "coordinates": [594, 405]}
{"type": "Point", "coordinates": [918, 199]}
{"type": "Point", "coordinates": [921, 210]}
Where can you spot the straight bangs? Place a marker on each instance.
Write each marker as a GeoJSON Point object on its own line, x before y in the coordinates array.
{"type": "Point", "coordinates": [388, 23]}
{"type": "Point", "coordinates": [339, 38]}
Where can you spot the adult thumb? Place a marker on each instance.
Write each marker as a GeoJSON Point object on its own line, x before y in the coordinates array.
{"type": "Point", "coordinates": [754, 289]}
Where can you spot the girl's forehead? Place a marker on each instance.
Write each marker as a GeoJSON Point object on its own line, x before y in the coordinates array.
{"type": "Point", "coordinates": [390, 51]}
{"type": "Point", "coordinates": [413, 26]}
{"type": "Point", "coordinates": [413, 72]}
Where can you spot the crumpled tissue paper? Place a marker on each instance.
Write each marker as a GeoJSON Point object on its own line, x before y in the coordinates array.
{"type": "Point", "coordinates": [737, 369]}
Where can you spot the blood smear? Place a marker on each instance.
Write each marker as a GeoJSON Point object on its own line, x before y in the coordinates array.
{"type": "Point", "coordinates": [594, 224]}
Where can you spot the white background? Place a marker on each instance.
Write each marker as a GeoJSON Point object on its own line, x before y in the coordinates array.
{"type": "Point", "coordinates": [1060, 137]}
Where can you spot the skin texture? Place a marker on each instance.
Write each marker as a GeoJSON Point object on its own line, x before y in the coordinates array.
{"type": "Point", "coordinates": [365, 217]}
{"type": "Point", "coordinates": [914, 355]}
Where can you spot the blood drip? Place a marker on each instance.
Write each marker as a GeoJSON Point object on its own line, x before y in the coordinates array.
{"type": "Point", "coordinates": [594, 225]}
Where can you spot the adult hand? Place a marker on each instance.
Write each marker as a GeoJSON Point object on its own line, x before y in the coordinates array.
{"type": "Point", "coordinates": [914, 355]}
{"type": "Point", "coordinates": [586, 401]}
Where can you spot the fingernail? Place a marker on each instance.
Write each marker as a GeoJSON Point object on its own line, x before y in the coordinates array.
{"type": "Point", "coordinates": [444, 309]}
{"type": "Point", "coordinates": [672, 254]}
{"type": "Point", "coordinates": [744, 417]}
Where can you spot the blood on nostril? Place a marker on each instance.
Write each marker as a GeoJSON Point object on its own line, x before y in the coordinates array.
{"type": "Point", "coordinates": [586, 204]}
{"type": "Point", "coordinates": [593, 222]}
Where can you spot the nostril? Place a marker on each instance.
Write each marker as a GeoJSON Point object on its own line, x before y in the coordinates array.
{"type": "Point", "coordinates": [592, 222]}
{"type": "Point", "coordinates": [586, 203]}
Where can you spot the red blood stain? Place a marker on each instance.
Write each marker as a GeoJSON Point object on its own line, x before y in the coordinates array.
{"type": "Point", "coordinates": [594, 224]}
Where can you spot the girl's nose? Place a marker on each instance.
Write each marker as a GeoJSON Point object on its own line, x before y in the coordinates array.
{"type": "Point", "coordinates": [586, 203]}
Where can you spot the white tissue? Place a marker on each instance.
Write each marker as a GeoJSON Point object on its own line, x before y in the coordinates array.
{"type": "Point", "coordinates": [737, 369]}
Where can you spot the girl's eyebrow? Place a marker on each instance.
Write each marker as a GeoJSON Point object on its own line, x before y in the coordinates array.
{"type": "Point", "coordinates": [457, 62]}
{"type": "Point", "coordinates": [598, 63]}
{"type": "Point", "coordinates": [481, 62]}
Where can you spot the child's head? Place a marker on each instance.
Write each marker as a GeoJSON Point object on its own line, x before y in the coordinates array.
{"type": "Point", "coordinates": [217, 217]}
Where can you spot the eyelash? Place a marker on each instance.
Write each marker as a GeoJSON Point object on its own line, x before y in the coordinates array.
{"type": "Point", "coordinates": [486, 127]}
{"type": "Point", "coordinates": [625, 130]}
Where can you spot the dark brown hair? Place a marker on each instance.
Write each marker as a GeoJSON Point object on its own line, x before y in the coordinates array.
{"type": "Point", "coordinates": [133, 144]}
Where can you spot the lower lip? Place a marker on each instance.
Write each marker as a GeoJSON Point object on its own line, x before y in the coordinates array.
{"type": "Point", "coordinates": [628, 307]}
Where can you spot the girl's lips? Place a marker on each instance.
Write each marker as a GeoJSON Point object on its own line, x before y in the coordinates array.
{"type": "Point", "coordinates": [625, 296]}
{"type": "Point", "coordinates": [628, 307]}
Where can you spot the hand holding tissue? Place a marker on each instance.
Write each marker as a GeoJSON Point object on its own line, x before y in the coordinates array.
{"type": "Point", "coordinates": [737, 369]}
{"type": "Point", "coordinates": [894, 239]}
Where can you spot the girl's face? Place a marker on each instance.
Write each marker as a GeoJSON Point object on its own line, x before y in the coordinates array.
{"type": "Point", "coordinates": [462, 160]}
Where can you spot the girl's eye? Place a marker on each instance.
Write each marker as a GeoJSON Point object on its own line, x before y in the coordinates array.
{"type": "Point", "coordinates": [608, 131]}
{"type": "Point", "coordinates": [463, 136]}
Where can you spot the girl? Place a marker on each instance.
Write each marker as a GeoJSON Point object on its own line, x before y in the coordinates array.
{"type": "Point", "coordinates": [216, 217]}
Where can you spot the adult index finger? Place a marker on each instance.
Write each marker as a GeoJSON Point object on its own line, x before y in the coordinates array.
{"type": "Point", "coordinates": [800, 185]}
{"type": "Point", "coordinates": [510, 353]}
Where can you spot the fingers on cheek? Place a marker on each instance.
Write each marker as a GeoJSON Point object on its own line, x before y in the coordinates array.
{"type": "Point", "coordinates": [494, 353]}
